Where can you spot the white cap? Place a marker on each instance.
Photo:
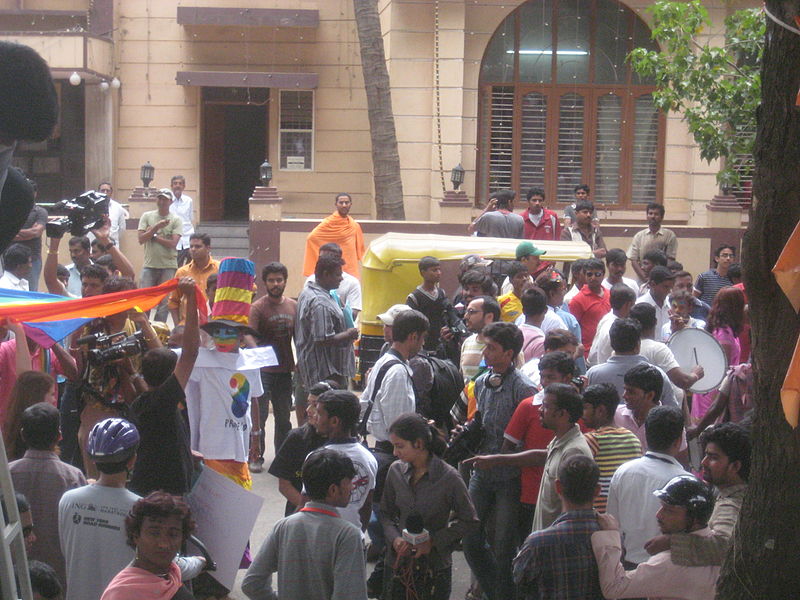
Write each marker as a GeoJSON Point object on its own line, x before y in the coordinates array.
{"type": "Point", "coordinates": [390, 315]}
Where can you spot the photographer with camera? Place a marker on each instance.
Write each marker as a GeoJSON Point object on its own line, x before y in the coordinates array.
{"type": "Point", "coordinates": [109, 353]}
{"type": "Point", "coordinates": [498, 392]}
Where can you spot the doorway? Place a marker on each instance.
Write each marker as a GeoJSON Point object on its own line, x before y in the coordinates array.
{"type": "Point", "coordinates": [233, 146]}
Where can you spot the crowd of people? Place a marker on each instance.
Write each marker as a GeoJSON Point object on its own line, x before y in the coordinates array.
{"type": "Point", "coordinates": [534, 418]}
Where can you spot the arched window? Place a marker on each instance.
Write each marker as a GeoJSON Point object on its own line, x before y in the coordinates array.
{"type": "Point", "coordinates": [560, 105]}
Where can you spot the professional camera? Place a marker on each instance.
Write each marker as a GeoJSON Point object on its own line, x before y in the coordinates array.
{"type": "Point", "coordinates": [80, 215]}
{"type": "Point", "coordinates": [466, 442]}
{"type": "Point", "coordinates": [106, 348]}
{"type": "Point", "coordinates": [455, 323]}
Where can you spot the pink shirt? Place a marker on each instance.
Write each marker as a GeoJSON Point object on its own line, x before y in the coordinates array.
{"type": "Point", "coordinates": [533, 342]}
{"type": "Point", "coordinates": [657, 579]}
{"type": "Point", "coordinates": [624, 418]}
{"type": "Point", "coordinates": [8, 371]}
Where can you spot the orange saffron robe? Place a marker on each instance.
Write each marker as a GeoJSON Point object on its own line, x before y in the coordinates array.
{"type": "Point", "coordinates": [344, 231]}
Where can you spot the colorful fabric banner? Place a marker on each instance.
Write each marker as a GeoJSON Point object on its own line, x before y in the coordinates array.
{"type": "Point", "coordinates": [49, 318]}
{"type": "Point", "coordinates": [787, 274]}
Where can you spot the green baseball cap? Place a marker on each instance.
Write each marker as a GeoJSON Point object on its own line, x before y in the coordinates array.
{"type": "Point", "coordinates": [528, 249]}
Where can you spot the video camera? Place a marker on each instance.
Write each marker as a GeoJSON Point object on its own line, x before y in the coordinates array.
{"type": "Point", "coordinates": [80, 215]}
{"type": "Point", "coordinates": [104, 348]}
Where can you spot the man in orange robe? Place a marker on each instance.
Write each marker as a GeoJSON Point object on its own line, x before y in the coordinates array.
{"type": "Point", "coordinates": [341, 229]}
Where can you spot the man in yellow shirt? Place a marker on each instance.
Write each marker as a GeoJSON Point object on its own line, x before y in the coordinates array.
{"type": "Point", "coordinates": [200, 268]}
{"type": "Point", "coordinates": [511, 303]}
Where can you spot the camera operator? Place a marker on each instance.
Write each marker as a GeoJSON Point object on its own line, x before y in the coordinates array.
{"type": "Point", "coordinates": [77, 248]}
{"type": "Point", "coordinates": [480, 312]}
{"type": "Point", "coordinates": [107, 387]}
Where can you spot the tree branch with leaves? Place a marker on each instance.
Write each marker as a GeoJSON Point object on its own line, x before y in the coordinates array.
{"type": "Point", "coordinates": [716, 88]}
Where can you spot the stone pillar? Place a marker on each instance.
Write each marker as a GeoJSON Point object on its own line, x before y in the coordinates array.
{"type": "Point", "coordinates": [265, 204]}
{"type": "Point", "coordinates": [724, 211]}
{"type": "Point", "coordinates": [455, 207]}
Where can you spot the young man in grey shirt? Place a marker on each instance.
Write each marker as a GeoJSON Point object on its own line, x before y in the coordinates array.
{"type": "Point", "coordinates": [317, 554]}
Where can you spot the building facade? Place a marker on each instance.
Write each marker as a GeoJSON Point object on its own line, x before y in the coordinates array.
{"type": "Point", "coordinates": [519, 92]}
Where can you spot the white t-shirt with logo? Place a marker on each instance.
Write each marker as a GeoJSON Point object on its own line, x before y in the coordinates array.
{"type": "Point", "coordinates": [218, 396]}
{"type": "Point", "coordinates": [91, 528]}
{"type": "Point", "coordinates": [364, 480]}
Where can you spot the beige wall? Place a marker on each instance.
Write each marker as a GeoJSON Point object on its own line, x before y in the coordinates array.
{"type": "Point", "coordinates": [159, 120]}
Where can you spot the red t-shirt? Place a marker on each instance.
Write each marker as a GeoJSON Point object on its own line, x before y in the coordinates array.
{"type": "Point", "coordinates": [589, 308]}
{"type": "Point", "coordinates": [525, 427]}
{"type": "Point", "coordinates": [549, 228]}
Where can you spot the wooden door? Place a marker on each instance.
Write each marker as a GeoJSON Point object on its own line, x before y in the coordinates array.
{"type": "Point", "coordinates": [212, 163]}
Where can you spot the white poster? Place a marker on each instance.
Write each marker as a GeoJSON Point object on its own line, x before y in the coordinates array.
{"type": "Point", "coordinates": [225, 514]}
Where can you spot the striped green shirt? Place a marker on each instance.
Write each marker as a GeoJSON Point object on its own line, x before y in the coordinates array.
{"type": "Point", "coordinates": [611, 446]}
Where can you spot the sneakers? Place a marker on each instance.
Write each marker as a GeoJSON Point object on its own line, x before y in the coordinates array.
{"type": "Point", "coordinates": [256, 466]}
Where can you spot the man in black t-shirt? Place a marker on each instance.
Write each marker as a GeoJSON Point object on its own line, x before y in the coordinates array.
{"type": "Point", "coordinates": [31, 236]}
{"type": "Point", "coordinates": [287, 465]}
{"type": "Point", "coordinates": [429, 299]}
{"type": "Point", "coordinates": [164, 460]}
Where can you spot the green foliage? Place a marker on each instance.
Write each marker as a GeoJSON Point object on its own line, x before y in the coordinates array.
{"type": "Point", "coordinates": [716, 88]}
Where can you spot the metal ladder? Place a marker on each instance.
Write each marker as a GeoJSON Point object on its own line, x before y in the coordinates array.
{"type": "Point", "coordinates": [14, 578]}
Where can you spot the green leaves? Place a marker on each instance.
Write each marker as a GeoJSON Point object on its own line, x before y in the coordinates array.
{"type": "Point", "coordinates": [716, 87]}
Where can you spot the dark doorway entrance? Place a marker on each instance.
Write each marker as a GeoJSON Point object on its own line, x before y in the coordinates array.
{"type": "Point", "coordinates": [233, 145]}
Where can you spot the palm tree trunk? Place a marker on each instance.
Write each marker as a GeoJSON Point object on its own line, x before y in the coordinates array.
{"type": "Point", "coordinates": [385, 157]}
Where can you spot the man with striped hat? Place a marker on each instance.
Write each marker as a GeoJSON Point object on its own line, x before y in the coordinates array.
{"type": "Point", "coordinates": [227, 378]}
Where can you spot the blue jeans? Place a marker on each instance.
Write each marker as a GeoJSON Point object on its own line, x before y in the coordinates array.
{"type": "Point", "coordinates": [375, 529]}
{"type": "Point", "coordinates": [36, 269]}
{"type": "Point", "coordinates": [490, 560]}
{"type": "Point", "coordinates": [278, 389]}
{"type": "Point", "coordinates": [151, 277]}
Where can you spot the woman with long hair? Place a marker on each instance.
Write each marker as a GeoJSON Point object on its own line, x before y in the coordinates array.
{"type": "Point", "coordinates": [421, 493]}
{"type": "Point", "coordinates": [30, 388]}
{"type": "Point", "coordinates": [725, 323]}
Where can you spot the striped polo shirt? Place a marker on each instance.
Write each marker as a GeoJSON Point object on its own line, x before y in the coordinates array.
{"type": "Point", "coordinates": [611, 446]}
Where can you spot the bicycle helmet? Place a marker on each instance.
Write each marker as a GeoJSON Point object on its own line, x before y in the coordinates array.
{"type": "Point", "coordinates": [688, 491]}
{"type": "Point", "coordinates": [113, 441]}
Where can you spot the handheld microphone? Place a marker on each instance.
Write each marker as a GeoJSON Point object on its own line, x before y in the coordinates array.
{"type": "Point", "coordinates": [415, 532]}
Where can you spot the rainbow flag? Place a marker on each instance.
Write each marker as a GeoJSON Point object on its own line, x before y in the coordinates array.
{"type": "Point", "coordinates": [48, 318]}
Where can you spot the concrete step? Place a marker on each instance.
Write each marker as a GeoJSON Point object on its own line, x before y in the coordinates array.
{"type": "Point", "coordinates": [228, 238]}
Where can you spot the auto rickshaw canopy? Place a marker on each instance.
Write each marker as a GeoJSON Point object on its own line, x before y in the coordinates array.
{"type": "Point", "coordinates": [389, 269]}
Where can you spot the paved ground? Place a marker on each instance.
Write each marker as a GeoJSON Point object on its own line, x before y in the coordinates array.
{"type": "Point", "coordinates": [266, 486]}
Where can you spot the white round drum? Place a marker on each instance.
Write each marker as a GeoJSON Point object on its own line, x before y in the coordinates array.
{"type": "Point", "coordinates": [692, 347]}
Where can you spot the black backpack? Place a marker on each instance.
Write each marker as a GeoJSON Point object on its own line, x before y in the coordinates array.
{"type": "Point", "coordinates": [446, 389]}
